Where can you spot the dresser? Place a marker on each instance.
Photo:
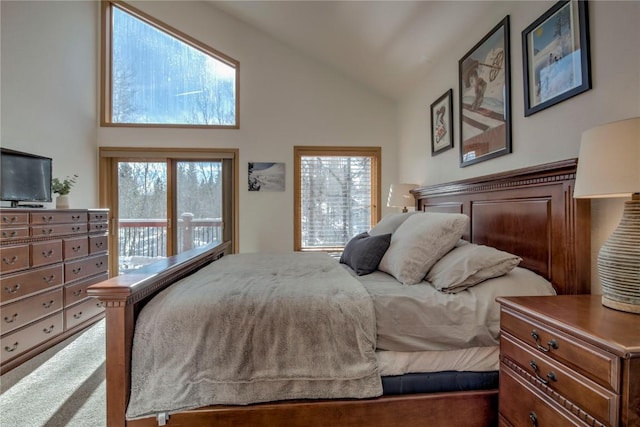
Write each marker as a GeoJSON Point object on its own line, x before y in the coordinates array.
{"type": "Point", "coordinates": [568, 361]}
{"type": "Point", "coordinates": [48, 258]}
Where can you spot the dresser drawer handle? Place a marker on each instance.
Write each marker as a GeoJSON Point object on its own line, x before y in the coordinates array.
{"type": "Point", "coordinates": [7, 219]}
{"type": "Point", "coordinates": [99, 245]}
{"type": "Point", "coordinates": [77, 293]}
{"type": "Point", "coordinates": [48, 304]}
{"type": "Point", "coordinates": [533, 418]}
{"type": "Point", "coordinates": [75, 229]}
{"type": "Point", "coordinates": [47, 219]}
{"type": "Point", "coordinates": [48, 330]}
{"type": "Point", "coordinates": [14, 233]}
{"type": "Point", "coordinates": [12, 348]}
{"type": "Point", "coordinates": [75, 217]}
{"type": "Point", "coordinates": [77, 315]}
{"type": "Point", "coordinates": [99, 264]}
{"type": "Point", "coordinates": [12, 290]}
{"type": "Point", "coordinates": [553, 344]}
{"type": "Point", "coordinates": [76, 270]}
{"type": "Point", "coordinates": [551, 375]}
{"type": "Point", "coordinates": [10, 261]}
{"type": "Point", "coordinates": [11, 319]}
{"type": "Point", "coordinates": [49, 279]}
{"type": "Point", "coordinates": [47, 231]}
{"type": "Point", "coordinates": [47, 254]}
{"type": "Point", "coordinates": [76, 248]}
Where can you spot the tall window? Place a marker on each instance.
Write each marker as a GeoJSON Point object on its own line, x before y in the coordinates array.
{"type": "Point", "coordinates": [164, 202]}
{"type": "Point", "coordinates": [337, 195]}
{"type": "Point", "coordinates": [154, 75]}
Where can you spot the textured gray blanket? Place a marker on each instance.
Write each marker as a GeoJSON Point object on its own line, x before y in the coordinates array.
{"type": "Point", "coordinates": [254, 328]}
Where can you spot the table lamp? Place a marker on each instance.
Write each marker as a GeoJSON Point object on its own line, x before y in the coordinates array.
{"type": "Point", "coordinates": [609, 166]}
{"type": "Point", "coordinates": [400, 196]}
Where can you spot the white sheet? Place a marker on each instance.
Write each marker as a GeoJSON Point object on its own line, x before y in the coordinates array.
{"type": "Point", "coordinates": [421, 318]}
{"type": "Point", "coordinates": [477, 359]}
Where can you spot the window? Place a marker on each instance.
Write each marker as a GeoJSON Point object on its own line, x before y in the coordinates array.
{"type": "Point", "coordinates": [336, 195]}
{"type": "Point", "coordinates": [164, 202]}
{"type": "Point", "coordinates": [154, 75]}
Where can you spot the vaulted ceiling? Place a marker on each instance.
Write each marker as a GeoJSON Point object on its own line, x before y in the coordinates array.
{"type": "Point", "coordinates": [388, 46]}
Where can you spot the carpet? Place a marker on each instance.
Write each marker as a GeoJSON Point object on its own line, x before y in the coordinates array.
{"type": "Point", "coordinates": [64, 386]}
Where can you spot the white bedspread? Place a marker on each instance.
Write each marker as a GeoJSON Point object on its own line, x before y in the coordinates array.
{"type": "Point", "coordinates": [255, 328]}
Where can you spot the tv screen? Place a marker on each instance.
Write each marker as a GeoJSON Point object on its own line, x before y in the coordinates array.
{"type": "Point", "coordinates": [24, 177]}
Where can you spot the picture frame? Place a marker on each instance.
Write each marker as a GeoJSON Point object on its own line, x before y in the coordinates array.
{"type": "Point", "coordinates": [265, 176]}
{"type": "Point", "coordinates": [484, 79]}
{"type": "Point", "coordinates": [442, 123]}
{"type": "Point", "coordinates": [556, 56]}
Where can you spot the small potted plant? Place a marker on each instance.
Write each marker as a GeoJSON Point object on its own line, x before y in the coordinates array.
{"type": "Point", "coordinates": [62, 188]}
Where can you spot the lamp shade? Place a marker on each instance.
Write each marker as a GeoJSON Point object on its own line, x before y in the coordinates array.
{"type": "Point", "coordinates": [609, 161]}
{"type": "Point", "coordinates": [400, 196]}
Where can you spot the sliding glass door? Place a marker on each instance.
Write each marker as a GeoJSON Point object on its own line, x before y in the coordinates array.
{"type": "Point", "coordinates": [164, 206]}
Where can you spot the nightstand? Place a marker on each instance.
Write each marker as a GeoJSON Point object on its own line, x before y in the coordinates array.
{"type": "Point", "coordinates": [568, 361]}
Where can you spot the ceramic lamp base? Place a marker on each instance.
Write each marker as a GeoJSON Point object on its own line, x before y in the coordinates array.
{"type": "Point", "coordinates": [619, 262]}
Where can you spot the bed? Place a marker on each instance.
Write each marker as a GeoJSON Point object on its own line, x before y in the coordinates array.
{"type": "Point", "coordinates": [528, 212]}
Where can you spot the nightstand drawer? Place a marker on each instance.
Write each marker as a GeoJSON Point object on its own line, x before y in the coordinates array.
{"type": "Point", "coordinates": [601, 403]}
{"type": "Point", "coordinates": [590, 361]}
{"type": "Point", "coordinates": [524, 406]}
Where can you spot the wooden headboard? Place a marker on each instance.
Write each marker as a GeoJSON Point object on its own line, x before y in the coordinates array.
{"type": "Point", "coordinates": [529, 212]}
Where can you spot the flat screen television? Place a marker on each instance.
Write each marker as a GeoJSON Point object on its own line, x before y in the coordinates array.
{"type": "Point", "coordinates": [24, 177]}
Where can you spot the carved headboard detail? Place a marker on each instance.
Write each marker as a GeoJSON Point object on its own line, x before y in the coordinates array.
{"type": "Point", "coordinates": [529, 212]}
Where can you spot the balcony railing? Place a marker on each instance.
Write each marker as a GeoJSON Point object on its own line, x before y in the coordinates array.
{"type": "Point", "coordinates": [142, 241]}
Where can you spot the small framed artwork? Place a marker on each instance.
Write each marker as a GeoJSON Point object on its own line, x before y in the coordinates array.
{"type": "Point", "coordinates": [555, 55]}
{"type": "Point", "coordinates": [484, 78]}
{"type": "Point", "coordinates": [266, 176]}
{"type": "Point", "coordinates": [442, 123]}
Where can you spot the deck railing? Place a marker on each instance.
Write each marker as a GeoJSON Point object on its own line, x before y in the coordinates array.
{"type": "Point", "coordinates": [143, 240]}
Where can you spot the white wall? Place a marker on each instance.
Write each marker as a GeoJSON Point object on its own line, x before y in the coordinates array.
{"type": "Point", "coordinates": [285, 100]}
{"type": "Point", "coordinates": [549, 135]}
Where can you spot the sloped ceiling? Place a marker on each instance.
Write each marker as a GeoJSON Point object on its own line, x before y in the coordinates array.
{"type": "Point", "coordinates": [388, 46]}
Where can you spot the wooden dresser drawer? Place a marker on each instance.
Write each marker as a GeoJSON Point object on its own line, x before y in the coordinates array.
{"type": "Point", "coordinates": [76, 270]}
{"type": "Point", "coordinates": [75, 247]}
{"type": "Point", "coordinates": [18, 285]}
{"type": "Point", "coordinates": [82, 312]}
{"type": "Point", "coordinates": [20, 313]}
{"type": "Point", "coordinates": [58, 229]}
{"type": "Point", "coordinates": [16, 343]}
{"type": "Point", "coordinates": [98, 216]}
{"type": "Point", "coordinates": [99, 243]}
{"type": "Point", "coordinates": [525, 406]}
{"type": "Point", "coordinates": [601, 403]}
{"type": "Point", "coordinates": [59, 217]}
{"type": "Point", "coordinates": [17, 218]}
{"type": "Point", "coordinates": [46, 252]}
{"type": "Point", "coordinates": [590, 361]}
{"type": "Point", "coordinates": [14, 258]}
{"type": "Point", "coordinates": [78, 291]}
{"type": "Point", "coordinates": [14, 232]}
{"type": "Point", "coordinates": [95, 227]}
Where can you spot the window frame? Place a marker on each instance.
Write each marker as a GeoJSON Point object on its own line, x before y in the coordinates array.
{"type": "Point", "coordinates": [106, 55]}
{"type": "Point", "coordinates": [375, 153]}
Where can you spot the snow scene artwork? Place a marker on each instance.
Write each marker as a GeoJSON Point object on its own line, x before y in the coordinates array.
{"type": "Point", "coordinates": [266, 176]}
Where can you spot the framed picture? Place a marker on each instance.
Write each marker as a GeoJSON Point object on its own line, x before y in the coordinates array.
{"type": "Point", "coordinates": [484, 76]}
{"type": "Point", "coordinates": [555, 55]}
{"type": "Point", "coordinates": [265, 176]}
{"type": "Point", "coordinates": [442, 123]}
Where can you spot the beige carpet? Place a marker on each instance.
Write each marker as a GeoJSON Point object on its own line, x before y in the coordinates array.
{"type": "Point", "coordinates": [63, 386]}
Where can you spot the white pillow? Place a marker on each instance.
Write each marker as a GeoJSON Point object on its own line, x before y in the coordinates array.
{"type": "Point", "coordinates": [469, 264]}
{"type": "Point", "coordinates": [390, 223]}
{"type": "Point", "coordinates": [420, 241]}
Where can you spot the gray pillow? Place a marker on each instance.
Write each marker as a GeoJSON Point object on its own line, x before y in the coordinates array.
{"type": "Point", "coordinates": [364, 252]}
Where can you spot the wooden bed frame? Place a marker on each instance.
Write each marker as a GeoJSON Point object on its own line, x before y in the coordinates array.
{"type": "Point", "coordinates": [529, 212]}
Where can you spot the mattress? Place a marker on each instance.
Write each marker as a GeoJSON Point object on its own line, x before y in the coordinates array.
{"type": "Point", "coordinates": [420, 318]}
